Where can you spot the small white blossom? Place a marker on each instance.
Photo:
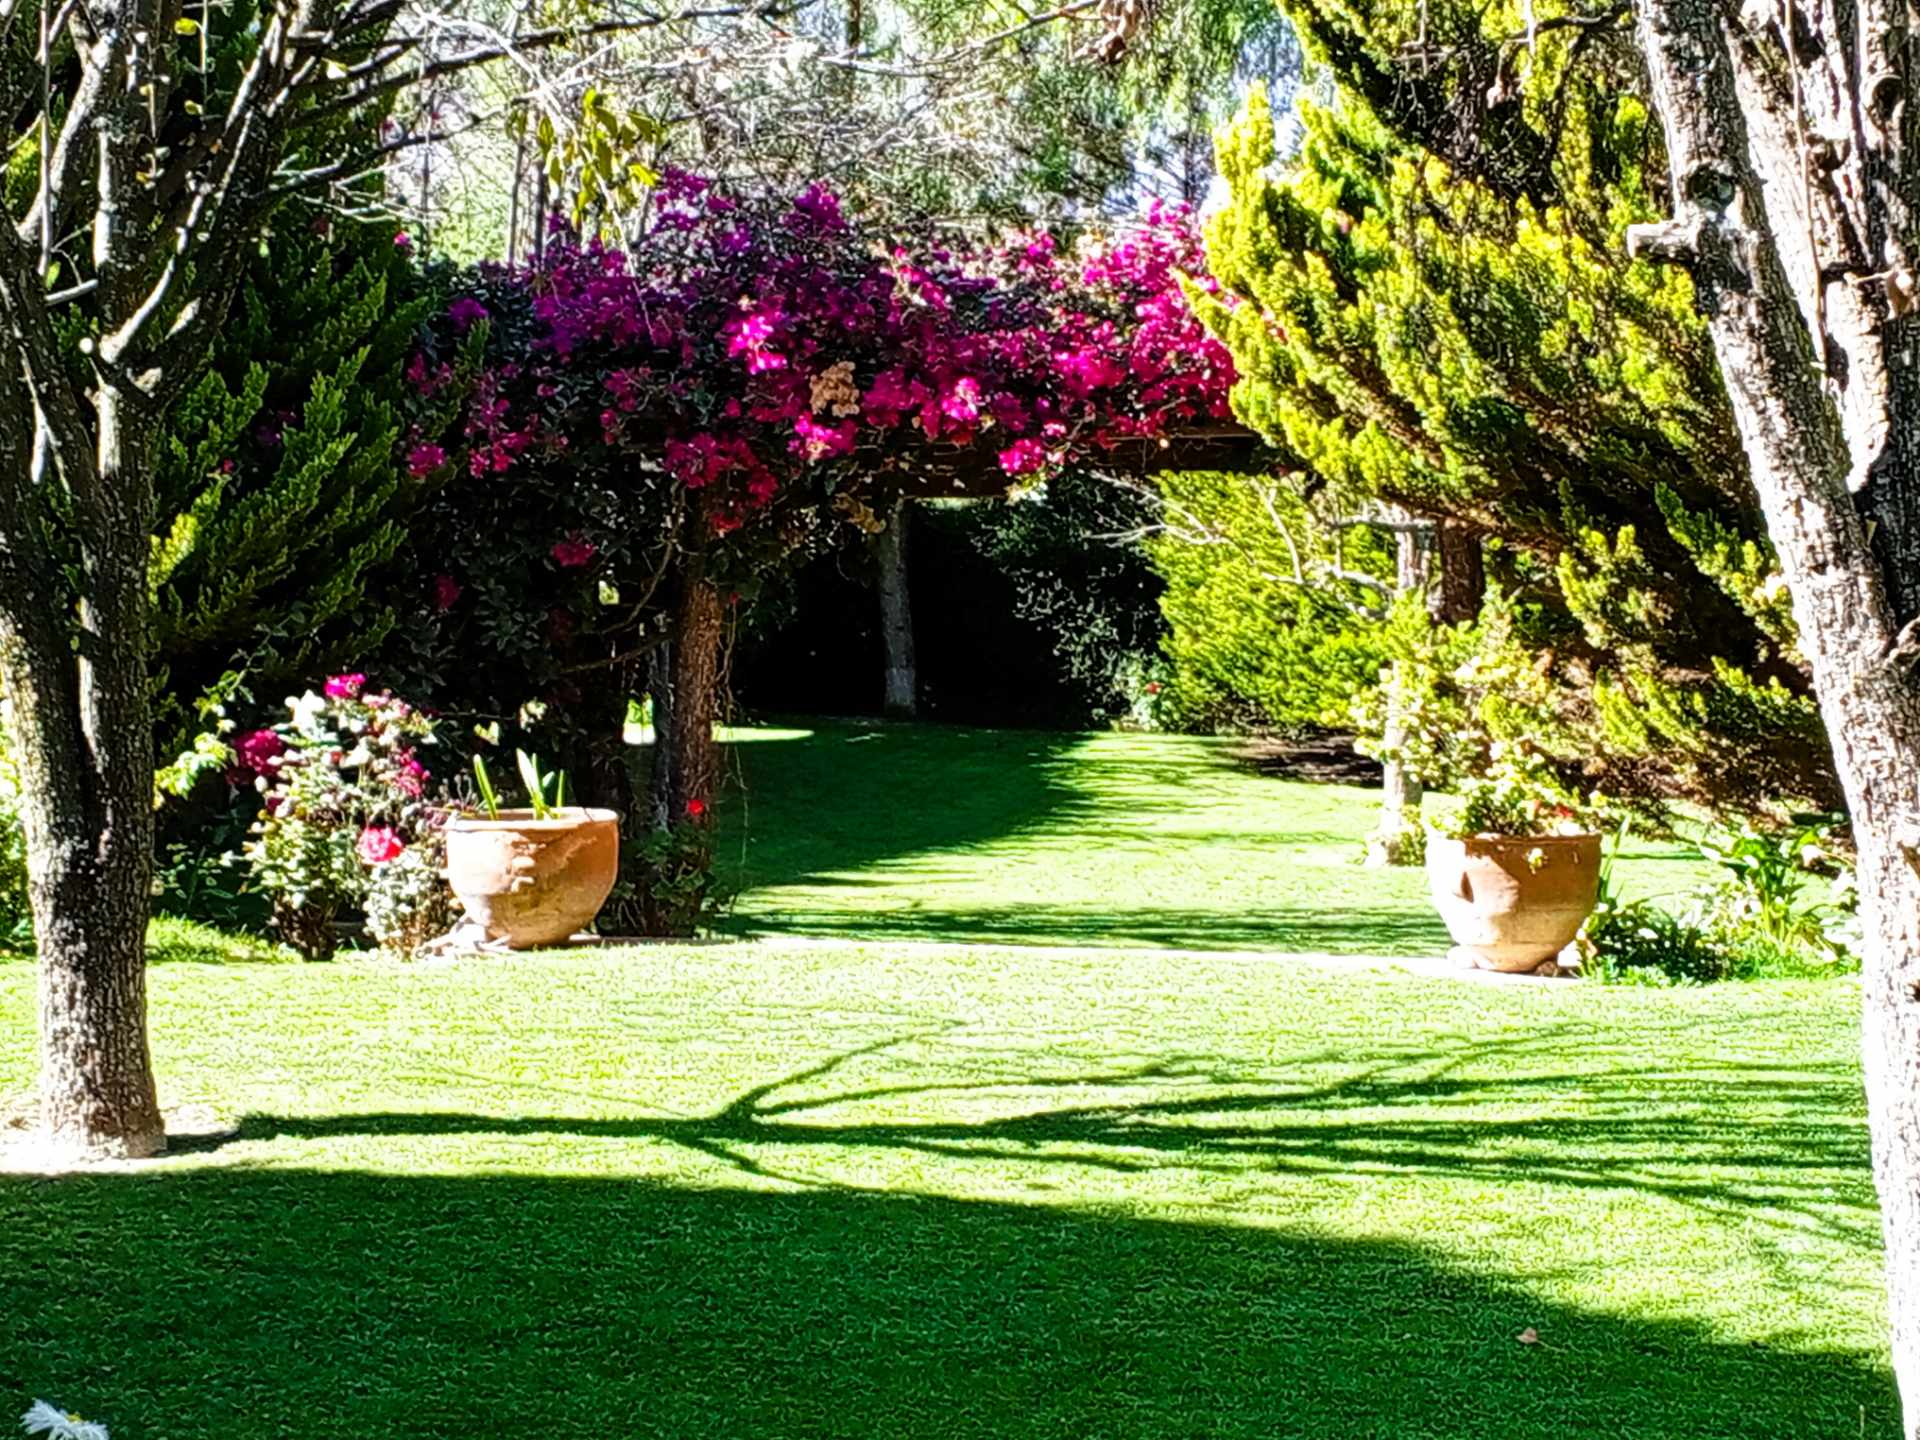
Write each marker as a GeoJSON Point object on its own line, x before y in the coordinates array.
{"type": "Point", "coordinates": [307, 710]}
{"type": "Point", "coordinates": [44, 1419]}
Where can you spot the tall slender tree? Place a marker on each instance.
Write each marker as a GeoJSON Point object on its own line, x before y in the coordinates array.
{"type": "Point", "coordinates": [157, 138]}
{"type": "Point", "coordinates": [1793, 135]}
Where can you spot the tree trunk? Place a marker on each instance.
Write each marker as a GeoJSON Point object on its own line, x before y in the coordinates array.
{"type": "Point", "coordinates": [1806, 284]}
{"type": "Point", "coordinates": [1463, 573]}
{"type": "Point", "coordinates": [1396, 838]}
{"type": "Point", "coordinates": [901, 696]}
{"type": "Point", "coordinates": [693, 768]}
{"type": "Point", "coordinates": [85, 738]}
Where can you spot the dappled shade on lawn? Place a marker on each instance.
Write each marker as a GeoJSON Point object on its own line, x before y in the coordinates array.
{"type": "Point", "coordinates": [833, 1189]}
{"type": "Point", "coordinates": [928, 832]}
{"type": "Point", "coordinates": [260, 1303]}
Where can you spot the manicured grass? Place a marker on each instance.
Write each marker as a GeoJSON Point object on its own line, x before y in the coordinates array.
{"type": "Point", "coordinates": [1022, 837]}
{"type": "Point", "coordinates": [841, 1190]}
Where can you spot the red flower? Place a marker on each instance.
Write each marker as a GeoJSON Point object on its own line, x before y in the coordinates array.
{"type": "Point", "coordinates": [696, 808]}
{"type": "Point", "coordinates": [256, 751]}
{"type": "Point", "coordinates": [345, 687]}
{"type": "Point", "coordinates": [573, 552]}
{"type": "Point", "coordinates": [379, 844]}
{"type": "Point", "coordinates": [424, 460]}
{"type": "Point", "coordinates": [446, 591]}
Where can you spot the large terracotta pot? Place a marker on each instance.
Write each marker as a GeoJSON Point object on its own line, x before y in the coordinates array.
{"type": "Point", "coordinates": [1511, 903]}
{"type": "Point", "coordinates": [532, 882]}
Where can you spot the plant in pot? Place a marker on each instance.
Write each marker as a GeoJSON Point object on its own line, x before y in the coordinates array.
{"type": "Point", "coordinates": [1472, 708]}
{"type": "Point", "coordinates": [531, 876]}
{"type": "Point", "coordinates": [1515, 872]}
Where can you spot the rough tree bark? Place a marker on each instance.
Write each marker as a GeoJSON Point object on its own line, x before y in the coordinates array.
{"type": "Point", "coordinates": [900, 698]}
{"type": "Point", "coordinates": [687, 732]}
{"type": "Point", "coordinates": [1795, 169]}
{"type": "Point", "coordinates": [1462, 586]}
{"type": "Point", "coordinates": [84, 736]}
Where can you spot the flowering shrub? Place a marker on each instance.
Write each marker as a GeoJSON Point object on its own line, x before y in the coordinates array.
{"type": "Point", "coordinates": [407, 901]}
{"type": "Point", "coordinates": [749, 375]}
{"type": "Point", "coordinates": [348, 819]}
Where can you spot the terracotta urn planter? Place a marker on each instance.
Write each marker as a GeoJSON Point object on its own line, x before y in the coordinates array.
{"type": "Point", "coordinates": [1513, 902]}
{"type": "Point", "coordinates": [527, 882]}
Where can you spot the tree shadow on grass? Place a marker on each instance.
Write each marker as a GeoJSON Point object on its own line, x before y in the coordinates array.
{"type": "Point", "coordinates": [1378, 931]}
{"type": "Point", "coordinates": [273, 1302]}
{"type": "Point", "coordinates": [1321, 758]}
{"type": "Point", "coordinates": [847, 796]}
{"type": "Point", "coordinates": [1419, 1112]}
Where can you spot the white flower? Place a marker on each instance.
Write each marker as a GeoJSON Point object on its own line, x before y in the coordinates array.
{"type": "Point", "coordinates": [307, 711]}
{"type": "Point", "coordinates": [43, 1419]}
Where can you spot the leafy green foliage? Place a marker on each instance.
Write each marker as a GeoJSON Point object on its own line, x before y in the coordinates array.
{"type": "Point", "coordinates": [1507, 805]}
{"type": "Point", "coordinates": [1754, 923]}
{"type": "Point", "coordinates": [1444, 318]}
{"type": "Point", "coordinates": [668, 884]}
{"type": "Point", "coordinates": [1257, 631]}
{"type": "Point", "coordinates": [1079, 573]}
{"type": "Point", "coordinates": [280, 491]}
{"type": "Point", "coordinates": [1766, 872]}
{"type": "Point", "coordinates": [1473, 706]}
{"type": "Point", "coordinates": [1637, 941]}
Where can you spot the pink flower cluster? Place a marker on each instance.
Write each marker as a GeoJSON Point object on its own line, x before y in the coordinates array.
{"type": "Point", "coordinates": [752, 351]}
{"type": "Point", "coordinates": [380, 843]}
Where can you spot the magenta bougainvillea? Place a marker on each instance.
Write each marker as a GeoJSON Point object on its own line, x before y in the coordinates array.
{"type": "Point", "coordinates": [745, 378]}
{"type": "Point", "coordinates": [764, 356]}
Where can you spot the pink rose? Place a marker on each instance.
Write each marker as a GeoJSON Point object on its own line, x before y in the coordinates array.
{"type": "Point", "coordinates": [446, 592]}
{"type": "Point", "coordinates": [424, 460]}
{"type": "Point", "coordinates": [379, 844]}
{"type": "Point", "coordinates": [345, 687]}
{"type": "Point", "coordinates": [573, 552]}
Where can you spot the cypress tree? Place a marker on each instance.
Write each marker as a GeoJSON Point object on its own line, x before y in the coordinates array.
{"type": "Point", "coordinates": [280, 485]}
{"type": "Point", "coordinates": [1474, 346]}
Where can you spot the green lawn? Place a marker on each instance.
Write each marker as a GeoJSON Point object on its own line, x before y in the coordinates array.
{"type": "Point", "coordinates": [845, 1186]}
{"type": "Point", "coordinates": [1024, 837]}
{"type": "Point", "coordinates": [845, 1190]}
